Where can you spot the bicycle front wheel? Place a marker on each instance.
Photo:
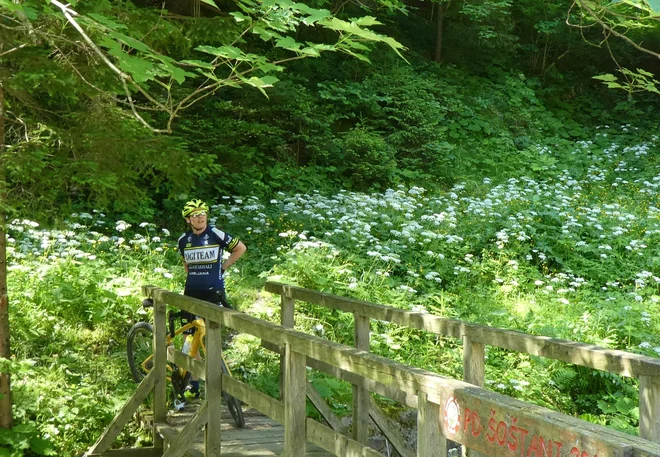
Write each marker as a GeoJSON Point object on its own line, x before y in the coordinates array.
{"type": "Point", "coordinates": [139, 349]}
{"type": "Point", "coordinates": [233, 403]}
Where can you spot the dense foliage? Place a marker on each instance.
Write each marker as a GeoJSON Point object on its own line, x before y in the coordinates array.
{"type": "Point", "coordinates": [580, 236]}
{"type": "Point", "coordinates": [486, 177]}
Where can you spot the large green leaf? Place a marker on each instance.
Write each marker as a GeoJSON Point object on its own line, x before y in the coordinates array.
{"type": "Point", "coordinates": [141, 70]}
{"type": "Point", "coordinates": [288, 43]}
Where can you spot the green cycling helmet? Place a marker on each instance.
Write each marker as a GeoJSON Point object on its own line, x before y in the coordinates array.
{"type": "Point", "coordinates": [193, 205]}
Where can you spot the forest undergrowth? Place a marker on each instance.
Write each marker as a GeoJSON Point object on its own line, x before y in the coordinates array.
{"type": "Point", "coordinates": [568, 249]}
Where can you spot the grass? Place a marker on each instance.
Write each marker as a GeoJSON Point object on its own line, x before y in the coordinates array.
{"type": "Point", "coordinates": [570, 251]}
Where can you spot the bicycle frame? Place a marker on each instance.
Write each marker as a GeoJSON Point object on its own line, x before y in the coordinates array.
{"type": "Point", "coordinates": [196, 344]}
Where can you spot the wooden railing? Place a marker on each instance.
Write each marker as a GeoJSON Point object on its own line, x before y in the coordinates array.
{"type": "Point", "coordinates": [481, 420]}
{"type": "Point", "coordinates": [476, 337]}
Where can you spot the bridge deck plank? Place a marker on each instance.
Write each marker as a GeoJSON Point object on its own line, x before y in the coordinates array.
{"type": "Point", "coordinates": [261, 436]}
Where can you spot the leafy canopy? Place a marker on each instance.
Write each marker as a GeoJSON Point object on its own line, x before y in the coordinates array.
{"type": "Point", "coordinates": [152, 80]}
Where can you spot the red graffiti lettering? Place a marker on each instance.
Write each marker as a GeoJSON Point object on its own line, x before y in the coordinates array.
{"type": "Point", "coordinates": [491, 427]}
{"type": "Point", "coordinates": [546, 451]}
{"type": "Point", "coordinates": [501, 426]}
{"type": "Point", "coordinates": [523, 435]}
{"type": "Point", "coordinates": [476, 424]}
{"type": "Point", "coordinates": [575, 451]}
{"type": "Point", "coordinates": [558, 445]}
{"type": "Point", "coordinates": [533, 447]}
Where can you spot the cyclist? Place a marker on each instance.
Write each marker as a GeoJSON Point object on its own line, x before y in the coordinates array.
{"type": "Point", "coordinates": [202, 247]}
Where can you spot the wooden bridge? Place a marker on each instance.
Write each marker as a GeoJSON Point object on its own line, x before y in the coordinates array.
{"type": "Point", "coordinates": [484, 422]}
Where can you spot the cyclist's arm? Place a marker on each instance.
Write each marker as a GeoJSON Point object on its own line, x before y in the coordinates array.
{"type": "Point", "coordinates": [236, 254]}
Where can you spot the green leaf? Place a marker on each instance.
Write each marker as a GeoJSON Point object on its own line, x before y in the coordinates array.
{"type": "Point", "coordinates": [240, 17]}
{"type": "Point", "coordinates": [210, 3]}
{"type": "Point", "coordinates": [606, 77]}
{"type": "Point", "coordinates": [198, 63]}
{"type": "Point", "coordinates": [265, 34]}
{"type": "Point", "coordinates": [624, 405]}
{"type": "Point", "coordinates": [132, 42]}
{"type": "Point", "coordinates": [366, 21]}
{"type": "Point", "coordinates": [645, 73]}
{"type": "Point", "coordinates": [228, 52]}
{"type": "Point", "coordinates": [41, 446]}
{"type": "Point", "coordinates": [288, 43]}
{"type": "Point", "coordinates": [140, 69]}
{"type": "Point", "coordinates": [107, 21]}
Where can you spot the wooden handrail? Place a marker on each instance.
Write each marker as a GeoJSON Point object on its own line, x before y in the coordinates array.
{"type": "Point", "coordinates": [589, 355]}
{"type": "Point", "coordinates": [481, 420]}
{"type": "Point", "coordinates": [475, 337]}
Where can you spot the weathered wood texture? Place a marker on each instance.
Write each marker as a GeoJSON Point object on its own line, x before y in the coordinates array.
{"type": "Point", "coordinates": [160, 369]}
{"type": "Point", "coordinates": [323, 409]}
{"type": "Point", "coordinates": [391, 431]}
{"type": "Point", "coordinates": [287, 319]}
{"type": "Point", "coordinates": [403, 397]}
{"type": "Point", "coordinates": [295, 406]}
{"type": "Point", "coordinates": [429, 439]}
{"type": "Point", "coordinates": [189, 433]}
{"type": "Point", "coordinates": [649, 408]}
{"type": "Point", "coordinates": [136, 452]}
{"type": "Point", "coordinates": [213, 430]}
{"type": "Point", "coordinates": [588, 355]}
{"type": "Point", "coordinates": [114, 429]}
{"type": "Point", "coordinates": [479, 419]}
{"type": "Point", "coordinates": [361, 396]}
{"type": "Point", "coordinates": [261, 437]}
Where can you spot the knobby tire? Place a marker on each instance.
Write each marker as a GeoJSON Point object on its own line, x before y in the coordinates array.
{"type": "Point", "coordinates": [233, 404]}
{"type": "Point", "coordinates": [139, 348]}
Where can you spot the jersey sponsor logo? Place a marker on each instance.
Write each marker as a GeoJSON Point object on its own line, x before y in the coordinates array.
{"type": "Point", "coordinates": [202, 254]}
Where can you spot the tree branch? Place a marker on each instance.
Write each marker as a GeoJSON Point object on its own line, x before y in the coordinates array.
{"type": "Point", "coordinates": [68, 14]}
{"type": "Point", "coordinates": [610, 30]}
{"type": "Point", "coordinates": [13, 49]}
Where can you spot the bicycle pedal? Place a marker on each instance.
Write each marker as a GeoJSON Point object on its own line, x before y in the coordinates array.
{"type": "Point", "coordinates": [179, 405]}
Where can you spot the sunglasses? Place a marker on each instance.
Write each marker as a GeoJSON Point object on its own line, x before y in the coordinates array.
{"type": "Point", "coordinates": [198, 214]}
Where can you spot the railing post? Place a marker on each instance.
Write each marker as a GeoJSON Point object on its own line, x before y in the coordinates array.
{"type": "Point", "coordinates": [474, 358]}
{"type": "Point", "coordinates": [649, 409]}
{"type": "Point", "coordinates": [430, 441]}
{"type": "Point", "coordinates": [474, 365]}
{"type": "Point", "coordinates": [160, 370]}
{"type": "Point", "coordinates": [213, 389]}
{"type": "Point", "coordinates": [295, 402]}
{"type": "Point", "coordinates": [361, 398]}
{"type": "Point", "coordinates": [287, 320]}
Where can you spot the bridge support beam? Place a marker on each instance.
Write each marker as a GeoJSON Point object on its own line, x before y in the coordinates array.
{"type": "Point", "coordinates": [649, 409]}
{"type": "Point", "coordinates": [213, 389]}
{"type": "Point", "coordinates": [429, 439]}
{"type": "Point", "coordinates": [361, 397]}
{"type": "Point", "coordinates": [295, 404]}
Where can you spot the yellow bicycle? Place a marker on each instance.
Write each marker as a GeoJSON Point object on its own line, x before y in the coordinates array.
{"type": "Point", "coordinates": [139, 348]}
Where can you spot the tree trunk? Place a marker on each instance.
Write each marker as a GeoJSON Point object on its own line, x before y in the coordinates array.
{"type": "Point", "coordinates": [440, 22]}
{"type": "Point", "coordinates": [6, 417]}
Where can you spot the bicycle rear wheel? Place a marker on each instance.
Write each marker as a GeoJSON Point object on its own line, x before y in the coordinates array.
{"type": "Point", "coordinates": [139, 349]}
{"type": "Point", "coordinates": [233, 404]}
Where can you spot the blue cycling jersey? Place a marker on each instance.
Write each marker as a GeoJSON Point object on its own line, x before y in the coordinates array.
{"type": "Point", "coordinates": [203, 255]}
